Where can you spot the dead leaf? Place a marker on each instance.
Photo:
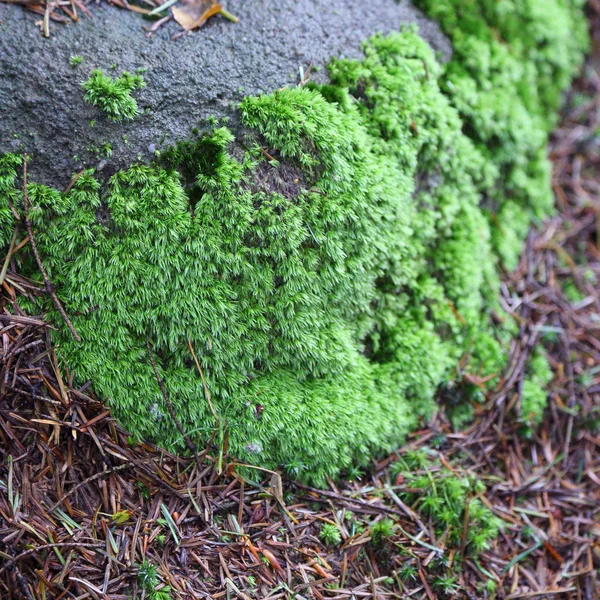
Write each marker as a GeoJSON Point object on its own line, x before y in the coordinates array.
{"type": "Point", "coordinates": [195, 13]}
{"type": "Point", "coordinates": [272, 560]}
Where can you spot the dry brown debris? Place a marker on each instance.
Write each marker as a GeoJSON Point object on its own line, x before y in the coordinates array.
{"type": "Point", "coordinates": [190, 14]}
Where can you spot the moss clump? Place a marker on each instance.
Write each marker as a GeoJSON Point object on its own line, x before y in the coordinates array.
{"type": "Point", "coordinates": [327, 294]}
{"type": "Point", "coordinates": [113, 95]}
{"type": "Point", "coordinates": [448, 498]}
{"type": "Point", "coordinates": [330, 534]}
{"type": "Point", "coordinates": [534, 393]}
{"type": "Point", "coordinates": [512, 59]}
{"type": "Point", "coordinates": [381, 531]}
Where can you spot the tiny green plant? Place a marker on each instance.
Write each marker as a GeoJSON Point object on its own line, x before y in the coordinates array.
{"type": "Point", "coordinates": [382, 531]}
{"type": "Point", "coordinates": [446, 584]}
{"type": "Point", "coordinates": [408, 572]}
{"type": "Point", "coordinates": [354, 525]}
{"type": "Point", "coordinates": [354, 473]}
{"type": "Point", "coordinates": [490, 588]}
{"type": "Point", "coordinates": [76, 60]}
{"type": "Point", "coordinates": [149, 581]}
{"type": "Point", "coordinates": [534, 394]}
{"type": "Point", "coordinates": [113, 95]}
{"type": "Point", "coordinates": [330, 534]}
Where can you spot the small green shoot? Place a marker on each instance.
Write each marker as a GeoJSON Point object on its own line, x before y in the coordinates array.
{"type": "Point", "coordinates": [381, 531]}
{"type": "Point", "coordinates": [113, 95]}
{"type": "Point", "coordinates": [330, 534]}
{"type": "Point", "coordinates": [149, 581]}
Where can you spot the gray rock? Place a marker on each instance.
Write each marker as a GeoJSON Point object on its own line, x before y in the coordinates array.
{"type": "Point", "coordinates": [203, 73]}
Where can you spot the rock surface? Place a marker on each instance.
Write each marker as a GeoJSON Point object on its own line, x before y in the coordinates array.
{"type": "Point", "coordinates": [203, 73]}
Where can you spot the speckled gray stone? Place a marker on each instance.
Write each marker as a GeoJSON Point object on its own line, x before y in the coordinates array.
{"type": "Point", "coordinates": [199, 74]}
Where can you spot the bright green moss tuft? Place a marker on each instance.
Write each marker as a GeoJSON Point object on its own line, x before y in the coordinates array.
{"type": "Point", "coordinates": [534, 393]}
{"type": "Point", "coordinates": [330, 534]}
{"type": "Point", "coordinates": [9, 196]}
{"type": "Point", "coordinates": [327, 293]}
{"type": "Point", "coordinates": [381, 531]}
{"type": "Point", "coordinates": [512, 60]}
{"type": "Point", "coordinates": [113, 95]}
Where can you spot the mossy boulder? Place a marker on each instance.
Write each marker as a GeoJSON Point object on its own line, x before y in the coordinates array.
{"type": "Point", "coordinates": [203, 74]}
{"type": "Point", "coordinates": [331, 262]}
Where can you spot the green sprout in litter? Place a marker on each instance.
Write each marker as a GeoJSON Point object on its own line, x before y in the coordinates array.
{"type": "Point", "coordinates": [408, 573]}
{"type": "Point", "coordinates": [381, 531]}
{"type": "Point", "coordinates": [76, 60]}
{"type": "Point", "coordinates": [490, 588]}
{"type": "Point", "coordinates": [534, 393]}
{"type": "Point", "coordinates": [330, 534]}
{"type": "Point", "coordinates": [446, 584]}
{"type": "Point", "coordinates": [149, 581]}
{"type": "Point", "coordinates": [113, 95]}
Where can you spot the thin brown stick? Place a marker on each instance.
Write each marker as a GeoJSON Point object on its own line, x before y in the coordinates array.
{"type": "Point", "coordinates": [206, 390]}
{"type": "Point", "coordinates": [89, 480]}
{"type": "Point", "coordinates": [49, 287]}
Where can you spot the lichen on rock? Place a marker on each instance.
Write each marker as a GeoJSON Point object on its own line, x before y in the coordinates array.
{"type": "Point", "coordinates": [326, 303]}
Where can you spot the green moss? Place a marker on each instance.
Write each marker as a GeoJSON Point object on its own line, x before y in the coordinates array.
{"type": "Point", "coordinates": [381, 531]}
{"type": "Point", "coordinates": [330, 534]}
{"type": "Point", "coordinates": [327, 293]}
{"type": "Point", "coordinates": [444, 496]}
{"type": "Point", "coordinates": [534, 393]}
{"type": "Point", "coordinates": [512, 59]}
{"type": "Point", "coordinates": [9, 196]}
{"type": "Point", "coordinates": [571, 291]}
{"type": "Point", "coordinates": [113, 95]}
{"type": "Point", "coordinates": [149, 580]}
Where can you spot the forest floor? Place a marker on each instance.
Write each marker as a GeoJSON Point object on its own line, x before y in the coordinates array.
{"type": "Point", "coordinates": [85, 513]}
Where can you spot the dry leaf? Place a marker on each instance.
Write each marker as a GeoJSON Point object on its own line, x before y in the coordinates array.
{"type": "Point", "coordinates": [195, 13]}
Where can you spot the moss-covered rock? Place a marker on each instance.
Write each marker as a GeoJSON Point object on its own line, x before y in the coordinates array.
{"type": "Point", "coordinates": [512, 61]}
{"type": "Point", "coordinates": [330, 268]}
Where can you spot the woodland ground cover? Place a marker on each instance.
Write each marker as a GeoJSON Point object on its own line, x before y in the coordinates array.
{"type": "Point", "coordinates": [507, 507]}
{"type": "Point", "coordinates": [305, 288]}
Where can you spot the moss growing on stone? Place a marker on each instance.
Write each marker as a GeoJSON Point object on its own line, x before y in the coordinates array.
{"type": "Point", "coordinates": [113, 95]}
{"type": "Point", "coordinates": [512, 60]}
{"type": "Point", "coordinates": [327, 293]}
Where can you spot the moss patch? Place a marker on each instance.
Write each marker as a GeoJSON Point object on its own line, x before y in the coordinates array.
{"type": "Point", "coordinates": [327, 293]}
{"type": "Point", "coordinates": [446, 497]}
{"type": "Point", "coordinates": [534, 393]}
{"type": "Point", "coordinates": [113, 95]}
{"type": "Point", "coordinates": [512, 60]}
